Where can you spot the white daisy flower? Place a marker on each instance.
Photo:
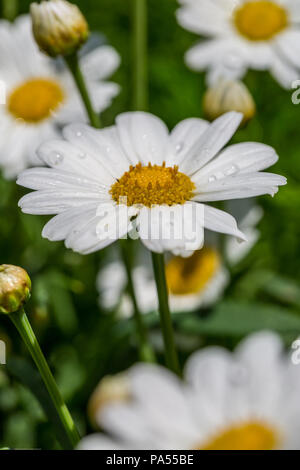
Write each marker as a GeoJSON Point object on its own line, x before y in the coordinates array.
{"type": "Point", "coordinates": [257, 34]}
{"type": "Point", "coordinates": [193, 282]}
{"type": "Point", "coordinates": [40, 93]}
{"type": "Point", "coordinates": [104, 183]}
{"type": "Point", "coordinates": [246, 400]}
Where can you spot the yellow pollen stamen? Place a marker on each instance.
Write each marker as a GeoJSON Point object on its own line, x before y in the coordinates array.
{"type": "Point", "coordinates": [260, 20]}
{"type": "Point", "coordinates": [153, 184]}
{"type": "Point", "coordinates": [191, 275]}
{"type": "Point", "coordinates": [252, 435]}
{"type": "Point", "coordinates": [35, 100]}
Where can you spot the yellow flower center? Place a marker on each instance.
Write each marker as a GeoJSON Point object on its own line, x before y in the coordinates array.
{"type": "Point", "coordinates": [260, 20]}
{"type": "Point", "coordinates": [191, 275]}
{"type": "Point", "coordinates": [35, 100]}
{"type": "Point", "coordinates": [253, 435]}
{"type": "Point", "coordinates": [152, 184]}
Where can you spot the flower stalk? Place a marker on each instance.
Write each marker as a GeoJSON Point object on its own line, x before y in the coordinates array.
{"type": "Point", "coordinates": [139, 39]}
{"type": "Point", "coordinates": [10, 9]}
{"type": "Point", "coordinates": [21, 322]}
{"type": "Point", "coordinates": [72, 62]}
{"type": "Point", "coordinates": [164, 310]}
{"type": "Point", "coordinates": [145, 350]}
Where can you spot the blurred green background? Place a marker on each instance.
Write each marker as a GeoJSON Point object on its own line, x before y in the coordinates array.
{"type": "Point", "coordinates": [82, 343]}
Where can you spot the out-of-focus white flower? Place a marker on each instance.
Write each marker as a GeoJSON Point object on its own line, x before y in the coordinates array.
{"type": "Point", "coordinates": [40, 94]}
{"type": "Point", "coordinates": [59, 27]}
{"type": "Point", "coordinates": [248, 215]}
{"type": "Point", "coordinates": [193, 282]}
{"type": "Point", "coordinates": [257, 34]}
{"type": "Point", "coordinates": [111, 389]}
{"type": "Point", "coordinates": [246, 400]}
{"type": "Point", "coordinates": [104, 183]}
{"type": "Point", "coordinates": [228, 95]}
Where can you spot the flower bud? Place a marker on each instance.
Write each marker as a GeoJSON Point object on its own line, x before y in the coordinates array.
{"type": "Point", "coordinates": [228, 95]}
{"type": "Point", "coordinates": [15, 288]}
{"type": "Point", "coordinates": [58, 26]}
{"type": "Point", "coordinates": [111, 389]}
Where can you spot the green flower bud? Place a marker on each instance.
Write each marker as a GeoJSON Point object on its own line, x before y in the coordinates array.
{"type": "Point", "coordinates": [15, 288]}
{"type": "Point", "coordinates": [58, 26]}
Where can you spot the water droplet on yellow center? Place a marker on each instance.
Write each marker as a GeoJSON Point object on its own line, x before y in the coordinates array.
{"type": "Point", "coordinates": [152, 184]}
{"type": "Point", "coordinates": [260, 20]}
{"type": "Point", "coordinates": [35, 100]}
{"type": "Point", "coordinates": [191, 275]}
{"type": "Point", "coordinates": [253, 435]}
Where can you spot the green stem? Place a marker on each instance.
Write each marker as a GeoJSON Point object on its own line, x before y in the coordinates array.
{"type": "Point", "coordinates": [74, 67]}
{"type": "Point", "coordinates": [9, 9]}
{"type": "Point", "coordinates": [22, 324]}
{"type": "Point", "coordinates": [140, 73]}
{"type": "Point", "coordinates": [146, 352]}
{"type": "Point", "coordinates": [165, 316]}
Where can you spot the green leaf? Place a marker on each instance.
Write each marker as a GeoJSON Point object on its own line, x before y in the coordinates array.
{"type": "Point", "coordinates": [241, 318]}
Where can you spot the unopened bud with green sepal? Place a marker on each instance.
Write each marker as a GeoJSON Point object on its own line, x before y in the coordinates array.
{"type": "Point", "coordinates": [59, 27]}
{"type": "Point", "coordinates": [15, 288]}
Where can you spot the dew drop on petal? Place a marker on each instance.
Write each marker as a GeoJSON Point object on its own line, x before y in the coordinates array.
{"type": "Point", "coordinates": [179, 147]}
{"type": "Point", "coordinates": [78, 134]}
{"type": "Point", "coordinates": [56, 158]}
{"type": "Point", "coordinates": [212, 178]}
{"type": "Point", "coordinates": [231, 170]}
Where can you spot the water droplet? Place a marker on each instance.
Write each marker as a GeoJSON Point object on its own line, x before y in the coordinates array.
{"type": "Point", "coordinates": [212, 178]}
{"type": "Point", "coordinates": [57, 158]}
{"type": "Point", "coordinates": [179, 147]}
{"type": "Point", "coordinates": [82, 155]}
{"type": "Point", "coordinates": [231, 170]}
{"type": "Point", "coordinates": [78, 134]}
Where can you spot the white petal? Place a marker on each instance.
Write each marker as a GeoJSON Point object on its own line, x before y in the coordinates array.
{"type": "Point", "coordinates": [211, 142]}
{"type": "Point", "coordinates": [177, 228]}
{"type": "Point", "coordinates": [289, 45]}
{"type": "Point", "coordinates": [246, 157]}
{"type": "Point", "coordinates": [197, 17]}
{"type": "Point", "coordinates": [99, 442]}
{"type": "Point", "coordinates": [100, 145]}
{"type": "Point", "coordinates": [283, 71]}
{"type": "Point", "coordinates": [144, 137]}
{"type": "Point", "coordinates": [60, 226]}
{"type": "Point", "coordinates": [60, 154]}
{"type": "Point", "coordinates": [127, 422]}
{"type": "Point", "coordinates": [162, 397]}
{"type": "Point", "coordinates": [184, 136]}
{"type": "Point", "coordinates": [100, 63]}
{"type": "Point", "coordinates": [48, 178]}
{"type": "Point", "coordinates": [54, 201]}
{"type": "Point", "coordinates": [220, 221]}
{"type": "Point", "coordinates": [246, 181]}
{"type": "Point", "coordinates": [108, 225]}
{"type": "Point", "coordinates": [225, 53]}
